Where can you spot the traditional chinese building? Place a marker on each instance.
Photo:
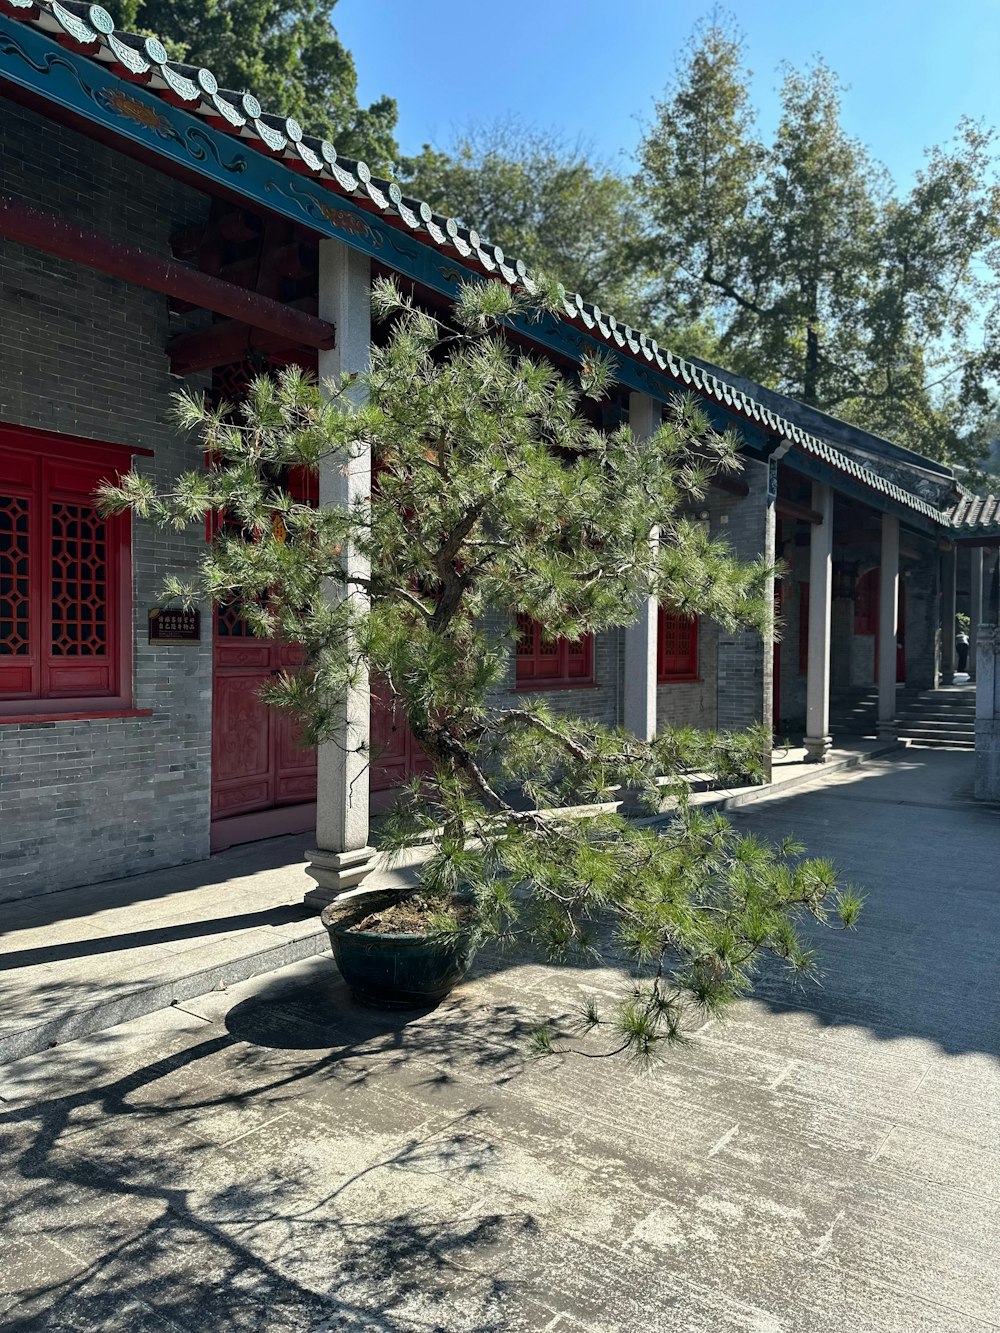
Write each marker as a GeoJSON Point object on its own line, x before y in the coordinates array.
{"type": "Point", "coordinates": [156, 231]}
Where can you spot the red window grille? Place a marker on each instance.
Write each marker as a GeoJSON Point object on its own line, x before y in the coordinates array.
{"type": "Point", "coordinates": [543, 662]}
{"type": "Point", "coordinates": [676, 646]}
{"type": "Point", "coordinates": [803, 628]}
{"type": "Point", "coordinates": [65, 577]}
{"type": "Point", "coordinates": [866, 603]}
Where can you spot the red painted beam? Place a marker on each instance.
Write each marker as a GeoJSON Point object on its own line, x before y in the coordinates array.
{"type": "Point", "coordinates": [224, 342]}
{"type": "Point", "coordinates": [56, 236]}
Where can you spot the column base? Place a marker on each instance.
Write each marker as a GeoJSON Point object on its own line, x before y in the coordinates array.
{"type": "Point", "coordinates": [888, 730]}
{"type": "Point", "coordinates": [336, 873]}
{"type": "Point", "coordinates": [947, 677]}
{"type": "Point", "coordinates": [817, 748]}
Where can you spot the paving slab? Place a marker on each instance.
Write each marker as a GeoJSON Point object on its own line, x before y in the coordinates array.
{"type": "Point", "coordinates": [273, 1155]}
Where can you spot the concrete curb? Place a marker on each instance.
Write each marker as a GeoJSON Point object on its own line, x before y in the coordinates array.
{"type": "Point", "coordinates": [774, 790]}
{"type": "Point", "coordinates": [146, 998]}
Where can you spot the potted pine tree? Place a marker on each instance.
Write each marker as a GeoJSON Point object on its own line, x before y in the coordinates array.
{"type": "Point", "coordinates": [496, 497]}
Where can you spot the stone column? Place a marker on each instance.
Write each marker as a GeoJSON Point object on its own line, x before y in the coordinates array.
{"type": "Point", "coordinates": [888, 625]}
{"type": "Point", "coordinates": [817, 740]}
{"type": "Point", "coordinates": [975, 604]}
{"type": "Point", "coordinates": [342, 856]}
{"type": "Point", "coordinates": [988, 713]}
{"type": "Point", "coordinates": [949, 577]}
{"type": "Point", "coordinates": [639, 704]}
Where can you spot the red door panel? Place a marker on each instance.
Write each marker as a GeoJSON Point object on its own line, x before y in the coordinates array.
{"type": "Point", "coordinates": [294, 764]}
{"type": "Point", "coordinates": [389, 745]}
{"type": "Point", "coordinates": [395, 754]}
{"type": "Point", "coordinates": [241, 743]}
{"type": "Point", "coordinates": [257, 762]}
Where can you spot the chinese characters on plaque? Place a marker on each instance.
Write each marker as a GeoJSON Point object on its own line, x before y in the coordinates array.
{"type": "Point", "coordinates": [171, 624]}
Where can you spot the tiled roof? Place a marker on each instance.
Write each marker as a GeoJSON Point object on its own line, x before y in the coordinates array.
{"type": "Point", "coordinates": [976, 514]}
{"type": "Point", "coordinates": [90, 30]}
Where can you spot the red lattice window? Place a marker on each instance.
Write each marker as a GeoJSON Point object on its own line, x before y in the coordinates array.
{"type": "Point", "coordinates": [544, 662]}
{"type": "Point", "coordinates": [65, 577]}
{"type": "Point", "coordinates": [15, 581]}
{"type": "Point", "coordinates": [676, 646]}
{"type": "Point", "coordinates": [866, 603]}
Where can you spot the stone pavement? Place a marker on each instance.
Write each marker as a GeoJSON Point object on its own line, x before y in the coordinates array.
{"type": "Point", "coordinates": [276, 1158]}
{"type": "Point", "coordinates": [83, 959]}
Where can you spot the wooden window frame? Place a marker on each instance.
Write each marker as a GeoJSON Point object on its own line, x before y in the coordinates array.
{"type": "Point", "coordinates": [676, 668]}
{"type": "Point", "coordinates": [41, 685]}
{"type": "Point", "coordinates": [540, 668]}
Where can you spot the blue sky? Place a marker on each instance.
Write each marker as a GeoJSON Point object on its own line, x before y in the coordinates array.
{"type": "Point", "coordinates": [593, 70]}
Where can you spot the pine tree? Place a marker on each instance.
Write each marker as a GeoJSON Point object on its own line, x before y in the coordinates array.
{"type": "Point", "coordinates": [495, 491]}
{"type": "Point", "coordinates": [823, 279]}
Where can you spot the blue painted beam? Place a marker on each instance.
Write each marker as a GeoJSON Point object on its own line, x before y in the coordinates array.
{"type": "Point", "coordinates": [814, 468]}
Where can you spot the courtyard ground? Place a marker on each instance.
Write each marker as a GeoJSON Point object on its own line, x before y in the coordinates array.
{"type": "Point", "coordinates": [275, 1157]}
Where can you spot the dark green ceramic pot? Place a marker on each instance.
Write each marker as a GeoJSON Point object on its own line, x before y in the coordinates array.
{"type": "Point", "coordinates": [394, 971]}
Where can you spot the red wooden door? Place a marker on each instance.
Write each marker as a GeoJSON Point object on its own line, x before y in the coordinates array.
{"type": "Point", "coordinates": [257, 763]}
{"type": "Point", "coordinates": [256, 760]}
{"type": "Point", "coordinates": [395, 754]}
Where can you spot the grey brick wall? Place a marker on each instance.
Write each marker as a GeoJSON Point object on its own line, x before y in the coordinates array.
{"type": "Point", "coordinates": [745, 669]}
{"type": "Point", "coordinates": [82, 354]}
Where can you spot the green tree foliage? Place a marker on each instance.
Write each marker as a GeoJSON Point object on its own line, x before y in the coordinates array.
{"type": "Point", "coordinates": [544, 202]}
{"type": "Point", "coordinates": [495, 491]}
{"type": "Point", "coordinates": [822, 279]}
{"type": "Point", "coordinates": [287, 53]}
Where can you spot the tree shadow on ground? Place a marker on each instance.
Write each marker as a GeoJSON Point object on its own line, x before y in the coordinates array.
{"type": "Point", "coordinates": [158, 1197]}
{"type": "Point", "coordinates": [199, 929]}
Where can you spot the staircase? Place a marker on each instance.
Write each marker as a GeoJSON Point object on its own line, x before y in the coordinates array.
{"type": "Point", "coordinates": [944, 717]}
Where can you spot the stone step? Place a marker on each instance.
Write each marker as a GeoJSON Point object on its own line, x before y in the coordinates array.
{"type": "Point", "coordinates": [938, 743]}
{"type": "Point", "coordinates": [950, 719]}
{"type": "Point", "coordinates": [935, 729]}
{"type": "Point", "coordinates": [945, 705]}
